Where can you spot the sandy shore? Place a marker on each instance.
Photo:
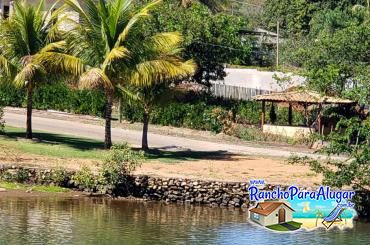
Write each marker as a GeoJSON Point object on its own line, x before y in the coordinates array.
{"type": "Point", "coordinates": [311, 224]}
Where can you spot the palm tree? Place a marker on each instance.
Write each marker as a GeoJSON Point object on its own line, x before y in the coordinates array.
{"type": "Point", "coordinates": [109, 40]}
{"type": "Point", "coordinates": [24, 36]}
{"type": "Point", "coordinates": [156, 89]}
{"type": "Point", "coordinates": [319, 215]}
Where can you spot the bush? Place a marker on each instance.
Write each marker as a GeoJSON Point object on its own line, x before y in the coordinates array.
{"type": "Point", "coordinates": [59, 176]}
{"type": "Point", "coordinates": [84, 179]}
{"type": "Point", "coordinates": [21, 176]}
{"type": "Point", "coordinates": [117, 166]}
{"type": "Point", "coordinates": [56, 96]}
{"type": "Point", "coordinates": [112, 173]}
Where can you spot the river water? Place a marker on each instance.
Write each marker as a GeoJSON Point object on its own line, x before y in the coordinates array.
{"type": "Point", "coordinates": [76, 220]}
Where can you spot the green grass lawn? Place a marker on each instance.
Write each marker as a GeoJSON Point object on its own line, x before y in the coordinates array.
{"type": "Point", "coordinates": [37, 188]}
{"type": "Point", "coordinates": [52, 145]}
{"type": "Point", "coordinates": [279, 227]}
{"type": "Point", "coordinates": [66, 146]}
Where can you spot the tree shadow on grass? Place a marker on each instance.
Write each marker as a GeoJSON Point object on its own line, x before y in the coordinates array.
{"type": "Point", "coordinates": [56, 139]}
{"type": "Point", "coordinates": [189, 155]}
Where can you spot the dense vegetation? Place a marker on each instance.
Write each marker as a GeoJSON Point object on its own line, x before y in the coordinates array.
{"type": "Point", "coordinates": [211, 40]}
{"type": "Point", "coordinates": [327, 41]}
{"type": "Point", "coordinates": [114, 52]}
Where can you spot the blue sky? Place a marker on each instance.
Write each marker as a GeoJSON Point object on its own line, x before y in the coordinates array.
{"type": "Point", "coordinates": [307, 208]}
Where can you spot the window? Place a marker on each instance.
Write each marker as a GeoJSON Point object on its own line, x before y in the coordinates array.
{"type": "Point", "coordinates": [256, 216]}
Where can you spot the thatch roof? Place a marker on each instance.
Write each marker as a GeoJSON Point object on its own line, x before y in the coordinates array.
{"type": "Point", "coordinates": [307, 97]}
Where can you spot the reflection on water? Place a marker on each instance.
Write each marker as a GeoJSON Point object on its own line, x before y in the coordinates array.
{"type": "Point", "coordinates": [57, 220]}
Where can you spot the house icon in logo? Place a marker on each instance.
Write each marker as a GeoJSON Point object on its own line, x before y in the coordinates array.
{"type": "Point", "coordinates": [271, 213]}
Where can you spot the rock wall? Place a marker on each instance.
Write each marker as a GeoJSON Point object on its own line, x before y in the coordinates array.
{"type": "Point", "coordinates": [213, 193]}
{"type": "Point", "coordinates": [171, 190]}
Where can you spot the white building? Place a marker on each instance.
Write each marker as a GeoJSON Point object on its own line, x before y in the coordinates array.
{"type": "Point", "coordinates": [271, 213]}
{"type": "Point", "coordinates": [243, 84]}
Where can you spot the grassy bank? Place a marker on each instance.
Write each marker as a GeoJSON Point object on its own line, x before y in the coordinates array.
{"type": "Point", "coordinates": [70, 147]}
{"type": "Point", "coordinates": [37, 188]}
{"type": "Point", "coordinates": [51, 145]}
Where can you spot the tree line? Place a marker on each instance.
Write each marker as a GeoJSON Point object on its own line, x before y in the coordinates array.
{"type": "Point", "coordinates": [124, 49]}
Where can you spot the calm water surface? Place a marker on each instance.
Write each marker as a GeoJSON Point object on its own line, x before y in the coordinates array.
{"type": "Point", "coordinates": [61, 220]}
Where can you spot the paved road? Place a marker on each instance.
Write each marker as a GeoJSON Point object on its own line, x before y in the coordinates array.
{"type": "Point", "coordinates": [133, 137]}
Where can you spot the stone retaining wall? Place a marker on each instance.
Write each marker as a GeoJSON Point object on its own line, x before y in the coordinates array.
{"type": "Point", "coordinates": [212, 193]}
{"type": "Point", "coordinates": [172, 190]}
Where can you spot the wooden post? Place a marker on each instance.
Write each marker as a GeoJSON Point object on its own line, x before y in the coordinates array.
{"type": "Point", "coordinates": [305, 115]}
{"type": "Point", "coordinates": [263, 114]}
{"type": "Point", "coordinates": [120, 109]}
{"type": "Point", "coordinates": [290, 115]}
{"type": "Point", "coordinates": [321, 131]}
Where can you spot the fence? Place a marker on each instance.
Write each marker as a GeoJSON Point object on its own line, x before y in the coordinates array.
{"type": "Point", "coordinates": [235, 92]}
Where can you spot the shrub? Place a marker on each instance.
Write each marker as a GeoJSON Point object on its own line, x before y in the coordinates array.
{"type": "Point", "coordinates": [84, 179]}
{"type": "Point", "coordinates": [223, 121]}
{"type": "Point", "coordinates": [21, 175]}
{"type": "Point", "coordinates": [57, 96]}
{"type": "Point", "coordinates": [117, 166]}
{"type": "Point", "coordinates": [59, 176]}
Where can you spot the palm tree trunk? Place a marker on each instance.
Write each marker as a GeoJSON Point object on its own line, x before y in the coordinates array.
{"type": "Point", "coordinates": [108, 119]}
{"type": "Point", "coordinates": [144, 142]}
{"type": "Point", "coordinates": [29, 112]}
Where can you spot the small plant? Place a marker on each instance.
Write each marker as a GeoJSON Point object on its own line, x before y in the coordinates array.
{"type": "Point", "coordinates": [117, 166]}
{"type": "Point", "coordinates": [84, 179]}
{"type": "Point", "coordinates": [6, 176]}
{"type": "Point", "coordinates": [59, 176]}
{"type": "Point", "coordinates": [21, 175]}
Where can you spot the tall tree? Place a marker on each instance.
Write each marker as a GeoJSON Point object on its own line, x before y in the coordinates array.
{"type": "Point", "coordinates": [157, 89]}
{"type": "Point", "coordinates": [213, 5]}
{"type": "Point", "coordinates": [334, 55]}
{"type": "Point", "coordinates": [211, 40]}
{"type": "Point", "coordinates": [24, 36]}
{"type": "Point", "coordinates": [295, 15]}
{"type": "Point", "coordinates": [109, 42]}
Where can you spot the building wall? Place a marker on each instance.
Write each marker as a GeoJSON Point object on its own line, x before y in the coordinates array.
{"type": "Point", "coordinates": [288, 131]}
{"type": "Point", "coordinates": [263, 80]}
{"type": "Point", "coordinates": [243, 84]}
{"type": "Point", "coordinates": [260, 220]}
{"type": "Point", "coordinates": [273, 218]}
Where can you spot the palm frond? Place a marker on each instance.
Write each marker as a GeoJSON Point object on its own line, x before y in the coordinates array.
{"type": "Point", "coordinates": [130, 96]}
{"type": "Point", "coordinates": [51, 47]}
{"type": "Point", "coordinates": [144, 12]}
{"type": "Point", "coordinates": [6, 66]}
{"type": "Point", "coordinates": [60, 63]}
{"type": "Point", "coordinates": [114, 55]}
{"type": "Point", "coordinates": [150, 72]}
{"type": "Point", "coordinates": [29, 73]}
{"type": "Point", "coordinates": [95, 78]}
{"type": "Point", "coordinates": [166, 42]}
